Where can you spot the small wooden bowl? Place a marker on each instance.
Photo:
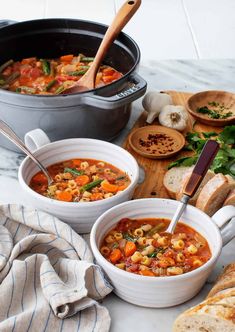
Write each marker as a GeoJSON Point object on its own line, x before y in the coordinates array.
{"type": "Point", "coordinates": [168, 142]}
{"type": "Point", "coordinates": [202, 99]}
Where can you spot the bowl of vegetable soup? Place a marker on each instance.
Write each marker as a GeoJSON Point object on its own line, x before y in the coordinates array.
{"type": "Point", "coordinates": [89, 177]}
{"type": "Point", "coordinates": [150, 268]}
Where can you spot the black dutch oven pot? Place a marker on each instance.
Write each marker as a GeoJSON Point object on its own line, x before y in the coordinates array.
{"type": "Point", "coordinates": [100, 113]}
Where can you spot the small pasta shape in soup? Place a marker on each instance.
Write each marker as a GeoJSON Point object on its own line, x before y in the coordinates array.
{"type": "Point", "coordinates": [141, 247]}
{"type": "Point", "coordinates": [81, 180]}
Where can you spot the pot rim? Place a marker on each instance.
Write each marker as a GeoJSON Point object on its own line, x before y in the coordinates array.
{"type": "Point", "coordinates": [93, 91]}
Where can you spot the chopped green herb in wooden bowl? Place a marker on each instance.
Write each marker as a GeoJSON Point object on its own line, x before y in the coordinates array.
{"type": "Point", "coordinates": [215, 108]}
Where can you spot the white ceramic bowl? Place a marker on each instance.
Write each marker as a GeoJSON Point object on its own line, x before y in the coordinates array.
{"type": "Point", "coordinates": [159, 292]}
{"type": "Point", "coordinates": [80, 216]}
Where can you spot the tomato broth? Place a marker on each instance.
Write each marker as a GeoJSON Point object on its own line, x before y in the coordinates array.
{"type": "Point", "coordinates": [81, 180]}
{"type": "Point", "coordinates": [140, 246]}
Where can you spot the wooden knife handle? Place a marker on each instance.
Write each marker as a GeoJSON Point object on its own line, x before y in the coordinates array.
{"type": "Point", "coordinates": [204, 161]}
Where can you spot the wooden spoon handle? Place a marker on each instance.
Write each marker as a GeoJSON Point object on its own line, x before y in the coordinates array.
{"type": "Point", "coordinates": [204, 161]}
{"type": "Point", "coordinates": [121, 19]}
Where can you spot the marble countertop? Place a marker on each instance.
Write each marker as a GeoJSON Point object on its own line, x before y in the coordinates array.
{"type": "Point", "coordinates": [182, 75]}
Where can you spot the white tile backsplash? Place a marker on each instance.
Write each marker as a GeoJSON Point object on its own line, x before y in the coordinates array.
{"type": "Point", "coordinates": [213, 27]}
{"type": "Point", "coordinates": [101, 11]}
{"type": "Point", "coordinates": [161, 30]}
{"type": "Point", "coordinates": [164, 29]}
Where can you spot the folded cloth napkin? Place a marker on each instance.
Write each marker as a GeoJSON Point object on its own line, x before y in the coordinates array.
{"type": "Point", "coordinates": [46, 275]}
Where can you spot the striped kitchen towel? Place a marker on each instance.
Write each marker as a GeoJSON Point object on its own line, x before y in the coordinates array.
{"type": "Point", "coordinates": [48, 281]}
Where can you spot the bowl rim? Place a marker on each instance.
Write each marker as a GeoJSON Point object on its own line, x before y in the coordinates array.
{"type": "Point", "coordinates": [70, 141]}
{"type": "Point", "coordinates": [204, 117]}
{"type": "Point", "coordinates": [132, 276]}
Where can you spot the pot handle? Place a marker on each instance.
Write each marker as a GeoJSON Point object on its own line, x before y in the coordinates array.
{"type": "Point", "coordinates": [122, 98]}
{"type": "Point", "coordinates": [36, 138]}
{"type": "Point", "coordinates": [4, 23]}
{"type": "Point", "coordinates": [222, 219]}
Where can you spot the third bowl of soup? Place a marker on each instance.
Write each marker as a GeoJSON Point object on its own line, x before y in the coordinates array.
{"type": "Point", "coordinates": [149, 267]}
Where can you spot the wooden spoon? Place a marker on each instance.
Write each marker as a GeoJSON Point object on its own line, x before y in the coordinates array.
{"type": "Point", "coordinates": [87, 81]}
{"type": "Point", "coordinates": [205, 159]}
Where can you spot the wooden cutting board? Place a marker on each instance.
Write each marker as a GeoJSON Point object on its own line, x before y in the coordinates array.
{"type": "Point", "coordinates": [152, 186]}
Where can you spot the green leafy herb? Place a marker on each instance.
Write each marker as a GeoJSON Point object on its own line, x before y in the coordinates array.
{"type": "Point", "coordinates": [218, 112]}
{"type": "Point", "coordinates": [224, 161]}
{"type": "Point", "coordinates": [232, 168]}
{"type": "Point", "coordinates": [210, 134]}
{"type": "Point", "coordinates": [227, 136]}
{"type": "Point", "coordinates": [121, 177]}
{"type": "Point", "coordinates": [128, 237]}
{"type": "Point", "coordinates": [185, 161]}
{"type": "Point", "coordinates": [157, 251]}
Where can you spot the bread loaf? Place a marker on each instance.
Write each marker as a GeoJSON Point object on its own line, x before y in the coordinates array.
{"type": "Point", "coordinates": [214, 193]}
{"type": "Point", "coordinates": [217, 312]}
{"type": "Point", "coordinates": [226, 280]}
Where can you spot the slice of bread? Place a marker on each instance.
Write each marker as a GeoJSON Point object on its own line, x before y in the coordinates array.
{"type": "Point", "coordinates": [225, 280]}
{"type": "Point", "coordinates": [209, 175]}
{"type": "Point", "coordinates": [230, 200]}
{"type": "Point", "coordinates": [173, 179]}
{"type": "Point", "coordinates": [214, 193]}
{"type": "Point", "coordinates": [216, 314]}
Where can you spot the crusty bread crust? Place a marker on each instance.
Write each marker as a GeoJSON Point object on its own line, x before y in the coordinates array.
{"type": "Point", "coordinates": [214, 193]}
{"type": "Point", "coordinates": [216, 314]}
{"type": "Point", "coordinates": [225, 280]}
{"type": "Point", "coordinates": [230, 200]}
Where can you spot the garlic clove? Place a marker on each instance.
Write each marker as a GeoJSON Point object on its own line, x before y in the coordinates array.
{"type": "Point", "coordinates": [173, 117]}
{"type": "Point", "coordinates": [153, 102]}
{"type": "Point", "coordinates": [151, 117]}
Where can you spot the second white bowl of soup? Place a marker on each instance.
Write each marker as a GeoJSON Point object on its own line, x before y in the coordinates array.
{"type": "Point", "coordinates": [90, 176]}
{"type": "Point", "coordinates": [174, 281]}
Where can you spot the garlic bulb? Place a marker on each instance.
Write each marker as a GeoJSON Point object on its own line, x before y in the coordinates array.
{"type": "Point", "coordinates": [153, 102]}
{"type": "Point", "coordinates": [174, 117]}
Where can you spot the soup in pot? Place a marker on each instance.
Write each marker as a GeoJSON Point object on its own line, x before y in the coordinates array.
{"type": "Point", "coordinates": [141, 247]}
{"type": "Point", "coordinates": [51, 76]}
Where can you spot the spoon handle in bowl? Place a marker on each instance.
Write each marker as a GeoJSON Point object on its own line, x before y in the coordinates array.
{"type": "Point", "coordinates": [204, 161]}
{"type": "Point", "coordinates": [11, 135]}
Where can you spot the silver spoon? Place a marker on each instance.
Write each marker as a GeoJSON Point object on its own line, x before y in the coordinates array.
{"type": "Point", "coordinates": [204, 161]}
{"type": "Point", "coordinates": [11, 135]}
